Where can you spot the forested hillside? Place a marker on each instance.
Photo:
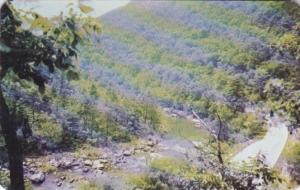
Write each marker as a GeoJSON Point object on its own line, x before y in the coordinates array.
{"type": "Point", "coordinates": [164, 97]}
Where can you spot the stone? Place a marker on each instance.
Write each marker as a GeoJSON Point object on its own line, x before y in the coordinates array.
{"type": "Point", "coordinates": [173, 115]}
{"type": "Point", "coordinates": [98, 165]}
{"type": "Point", "coordinates": [85, 169]}
{"type": "Point", "coordinates": [127, 153]}
{"type": "Point", "coordinates": [196, 144]}
{"type": "Point", "coordinates": [132, 118]}
{"type": "Point", "coordinates": [92, 140]}
{"type": "Point", "coordinates": [88, 163]}
{"type": "Point", "coordinates": [37, 178]}
{"type": "Point", "coordinates": [155, 155]}
{"type": "Point", "coordinates": [66, 163]}
{"type": "Point", "coordinates": [59, 183]}
{"type": "Point", "coordinates": [104, 161]}
{"type": "Point", "coordinates": [150, 143]}
{"type": "Point", "coordinates": [54, 163]}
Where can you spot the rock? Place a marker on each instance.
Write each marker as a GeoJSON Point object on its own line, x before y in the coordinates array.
{"type": "Point", "coordinates": [155, 155]}
{"type": "Point", "coordinates": [132, 118]}
{"type": "Point", "coordinates": [173, 115]}
{"type": "Point", "coordinates": [37, 178]}
{"type": "Point", "coordinates": [150, 143]}
{"type": "Point", "coordinates": [126, 153]}
{"type": "Point", "coordinates": [166, 110]}
{"type": "Point", "coordinates": [54, 163]}
{"type": "Point", "coordinates": [59, 183]}
{"type": "Point", "coordinates": [98, 165]}
{"type": "Point", "coordinates": [88, 163]}
{"type": "Point", "coordinates": [85, 169]}
{"type": "Point", "coordinates": [92, 140]}
{"type": "Point", "coordinates": [104, 161]}
{"type": "Point", "coordinates": [196, 144]}
{"type": "Point", "coordinates": [67, 163]}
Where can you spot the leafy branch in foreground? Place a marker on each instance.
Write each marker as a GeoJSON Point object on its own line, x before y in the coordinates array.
{"type": "Point", "coordinates": [31, 44]}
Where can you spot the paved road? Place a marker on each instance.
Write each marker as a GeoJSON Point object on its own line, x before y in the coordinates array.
{"type": "Point", "coordinates": [270, 146]}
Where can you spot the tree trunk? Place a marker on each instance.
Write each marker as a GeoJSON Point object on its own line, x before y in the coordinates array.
{"type": "Point", "coordinates": [14, 147]}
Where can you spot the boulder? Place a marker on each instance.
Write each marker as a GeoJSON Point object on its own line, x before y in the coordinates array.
{"type": "Point", "coordinates": [37, 178]}
{"type": "Point", "coordinates": [88, 163]}
{"type": "Point", "coordinates": [67, 163]}
{"type": "Point", "coordinates": [98, 165]}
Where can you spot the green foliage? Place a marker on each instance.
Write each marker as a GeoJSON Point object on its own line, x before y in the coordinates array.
{"type": "Point", "coordinates": [48, 168]}
{"type": "Point", "coordinates": [175, 167]}
{"type": "Point", "coordinates": [225, 49]}
{"type": "Point", "coordinates": [211, 180]}
{"type": "Point", "coordinates": [87, 151]}
{"type": "Point", "coordinates": [28, 185]}
{"type": "Point", "coordinates": [88, 185]}
{"type": "Point", "coordinates": [249, 124]}
{"type": "Point", "coordinates": [232, 18]}
{"type": "Point", "coordinates": [287, 8]}
{"type": "Point", "coordinates": [280, 96]}
{"type": "Point", "coordinates": [292, 152]}
{"type": "Point", "coordinates": [216, 78]}
{"type": "Point", "coordinates": [47, 127]}
{"type": "Point", "coordinates": [93, 91]}
{"type": "Point", "coordinates": [182, 128]}
{"type": "Point", "coordinates": [149, 83]}
{"type": "Point", "coordinates": [147, 183]}
{"type": "Point", "coordinates": [85, 8]}
{"type": "Point", "coordinates": [4, 178]}
{"type": "Point", "coordinates": [290, 42]}
{"type": "Point", "coordinates": [54, 48]}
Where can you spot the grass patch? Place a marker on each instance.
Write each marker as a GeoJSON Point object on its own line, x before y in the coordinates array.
{"type": "Point", "coordinates": [146, 182]}
{"type": "Point", "coordinates": [182, 128]}
{"type": "Point", "coordinates": [292, 152]}
{"type": "Point", "coordinates": [47, 168]}
{"type": "Point", "coordinates": [87, 151]}
{"type": "Point", "coordinates": [175, 167]}
{"type": "Point", "coordinates": [89, 185]}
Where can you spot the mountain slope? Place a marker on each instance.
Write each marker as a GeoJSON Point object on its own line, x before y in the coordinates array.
{"type": "Point", "coordinates": [130, 112]}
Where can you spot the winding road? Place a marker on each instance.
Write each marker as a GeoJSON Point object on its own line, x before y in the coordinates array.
{"type": "Point", "coordinates": [270, 146]}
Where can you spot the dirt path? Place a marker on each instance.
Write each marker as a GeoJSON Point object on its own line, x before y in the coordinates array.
{"type": "Point", "coordinates": [270, 146]}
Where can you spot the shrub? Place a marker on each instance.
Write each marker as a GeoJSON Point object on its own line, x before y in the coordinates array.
{"type": "Point", "coordinates": [147, 183]}
{"type": "Point", "coordinates": [87, 185]}
{"type": "Point", "coordinates": [49, 128]}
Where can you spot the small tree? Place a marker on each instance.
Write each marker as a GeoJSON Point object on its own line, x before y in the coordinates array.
{"type": "Point", "coordinates": [215, 137]}
{"type": "Point", "coordinates": [216, 174]}
{"type": "Point", "coordinates": [47, 43]}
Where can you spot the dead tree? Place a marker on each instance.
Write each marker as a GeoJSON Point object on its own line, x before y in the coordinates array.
{"type": "Point", "coordinates": [215, 136]}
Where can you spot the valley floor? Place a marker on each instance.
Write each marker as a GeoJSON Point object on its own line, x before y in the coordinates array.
{"type": "Point", "coordinates": [119, 163]}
